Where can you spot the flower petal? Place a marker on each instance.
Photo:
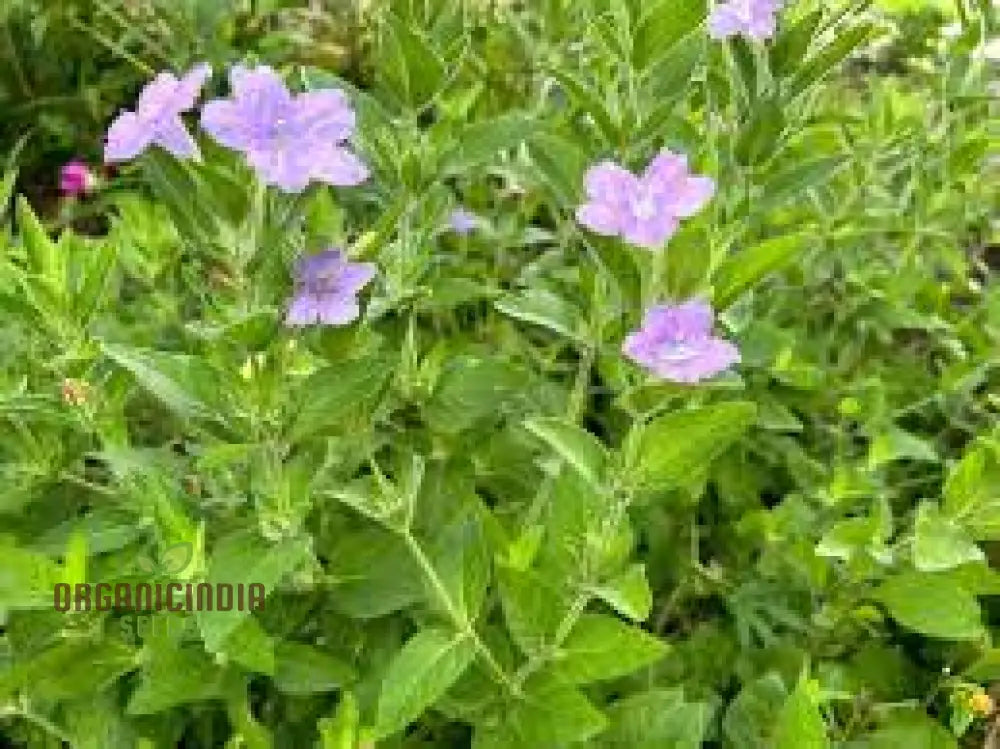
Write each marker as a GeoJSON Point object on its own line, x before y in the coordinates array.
{"type": "Point", "coordinates": [127, 137]}
{"type": "Point", "coordinates": [338, 167]}
{"type": "Point", "coordinates": [303, 310]}
{"type": "Point", "coordinates": [285, 168]}
{"type": "Point", "coordinates": [608, 183]}
{"type": "Point", "coordinates": [600, 218]}
{"type": "Point", "coordinates": [172, 136]}
{"type": "Point", "coordinates": [355, 276]}
{"type": "Point", "coordinates": [690, 196]}
{"type": "Point", "coordinates": [324, 115]}
{"type": "Point", "coordinates": [704, 359]}
{"type": "Point", "coordinates": [225, 121]}
{"type": "Point", "coordinates": [338, 309]}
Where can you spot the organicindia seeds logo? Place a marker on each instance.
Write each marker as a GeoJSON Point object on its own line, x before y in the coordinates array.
{"type": "Point", "coordinates": [158, 596]}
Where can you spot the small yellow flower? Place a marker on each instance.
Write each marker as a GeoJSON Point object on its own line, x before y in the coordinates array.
{"type": "Point", "coordinates": [981, 704]}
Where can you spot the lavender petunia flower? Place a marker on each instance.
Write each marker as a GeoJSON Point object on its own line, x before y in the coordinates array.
{"type": "Point", "coordinates": [676, 343]}
{"type": "Point", "coordinates": [463, 221]}
{"type": "Point", "coordinates": [290, 140]}
{"type": "Point", "coordinates": [754, 19]}
{"type": "Point", "coordinates": [327, 287]}
{"type": "Point", "coordinates": [157, 118]}
{"type": "Point", "coordinates": [644, 210]}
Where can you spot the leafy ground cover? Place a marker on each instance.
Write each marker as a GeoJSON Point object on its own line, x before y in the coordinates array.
{"type": "Point", "coordinates": [611, 374]}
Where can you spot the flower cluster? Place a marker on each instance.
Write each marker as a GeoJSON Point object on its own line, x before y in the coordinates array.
{"type": "Point", "coordinates": [292, 140]}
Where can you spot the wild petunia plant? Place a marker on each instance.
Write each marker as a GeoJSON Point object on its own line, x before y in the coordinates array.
{"type": "Point", "coordinates": [699, 455]}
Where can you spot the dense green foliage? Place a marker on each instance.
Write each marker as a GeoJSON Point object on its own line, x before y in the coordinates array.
{"type": "Point", "coordinates": [477, 523]}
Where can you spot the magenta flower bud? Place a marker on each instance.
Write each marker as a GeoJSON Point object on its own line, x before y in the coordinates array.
{"type": "Point", "coordinates": [75, 178]}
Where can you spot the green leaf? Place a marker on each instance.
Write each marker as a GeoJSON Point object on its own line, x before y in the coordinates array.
{"type": "Point", "coordinates": [462, 562]}
{"type": "Point", "coordinates": [302, 669]}
{"type": "Point", "coordinates": [373, 573]}
{"type": "Point", "coordinates": [479, 143]}
{"type": "Point", "coordinates": [560, 164]}
{"type": "Point", "coordinates": [72, 668]}
{"type": "Point", "coordinates": [341, 731]}
{"type": "Point", "coordinates": [821, 64]}
{"type": "Point", "coordinates": [629, 594]}
{"type": "Point", "coordinates": [658, 719]}
{"type": "Point", "coordinates": [676, 448]}
{"type": "Point", "coordinates": [793, 181]}
{"type": "Point", "coordinates": [330, 399]}
{"type": "Point", "coordinates": [44, 258]}
{"type": "Point", "coordinates": [665, 24]}
{"type": "Point", "coordinates": [533, 607]}
{"type": "Point", "coordinates": [800, 724]}
{"type": "Point", "coordinates": [972, 492]}
{"type": "Point", "coordinates": [173, 677]}
{"type": "Point", "coordinates": [243, 558]}
{"type": "Point", "coordinates": [473, 389]}
{"type": "Point", "coordinates": [419, 675]}
{"type": "Point", "coordinates": [939, 544]}
{"type": "Point", "coordinates": [761, 136]}
{"type": "Point", "coordinates": [750, 718]}
{"type": "Point", "coordinates": [932, 605]}
{"type": "Point", "coordinates": [743, 270]}
{"type": "Point", "coordinates": [544, 308]}
{"type": "Point", "coordinates": [423, 69]}
{"type": "Point", "coordinates": [895, 444]}
{"type": "Point", "coordinates": [603, 647]}
{"type": "Point", "coordinates": [548, 714]}
{"type": "Point", "coordinates": [590, 101]}
{"type": "Point", "coordinates": [179, 381]}
{"type": "Point", "coordinates": [909, 729]}
{"type": "Point", "coordinates": [579, 448]}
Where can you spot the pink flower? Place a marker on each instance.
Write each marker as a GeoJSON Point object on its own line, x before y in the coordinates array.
{"type": "Point", "coordinates": [644, 210]}
{"type": "Point", "coordinates": [75, 178]}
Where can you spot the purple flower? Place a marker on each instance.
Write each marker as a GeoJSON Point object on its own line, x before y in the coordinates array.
{"type": "Point", "coordinates": [290, 140]}
{"type": "Point", "coordinates": [676, 343]}
{"type": "Point", "coordinates": [75, 178]}
{"type": "Point", "coordinates": [755, 19]}
{"type": "Point", "coordinates": [157, 118]}
{"type": "Point", "coordinates": [463, 221]}
{"type": "Point", "coordinates": [644, 210]}
{"type": "Point", "coordinates": [327, 287]}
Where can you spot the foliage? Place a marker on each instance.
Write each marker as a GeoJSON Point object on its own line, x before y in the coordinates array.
{"type": "Point", "coordinates": [476, 522]}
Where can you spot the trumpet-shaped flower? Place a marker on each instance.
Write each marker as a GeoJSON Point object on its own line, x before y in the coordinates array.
{"type": "Point", "coordinates": [289, 139]}
{"type": "Point", "coordinates": [644, 210]}
{"type": "Point", "coordinates": [675, 343]}
{"type": "Point", "coordinates": [327, 287]}
{"type": "Point", "coordinates": [156, 120]}
{"type": "Point", "coordinates": [754, 19]}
